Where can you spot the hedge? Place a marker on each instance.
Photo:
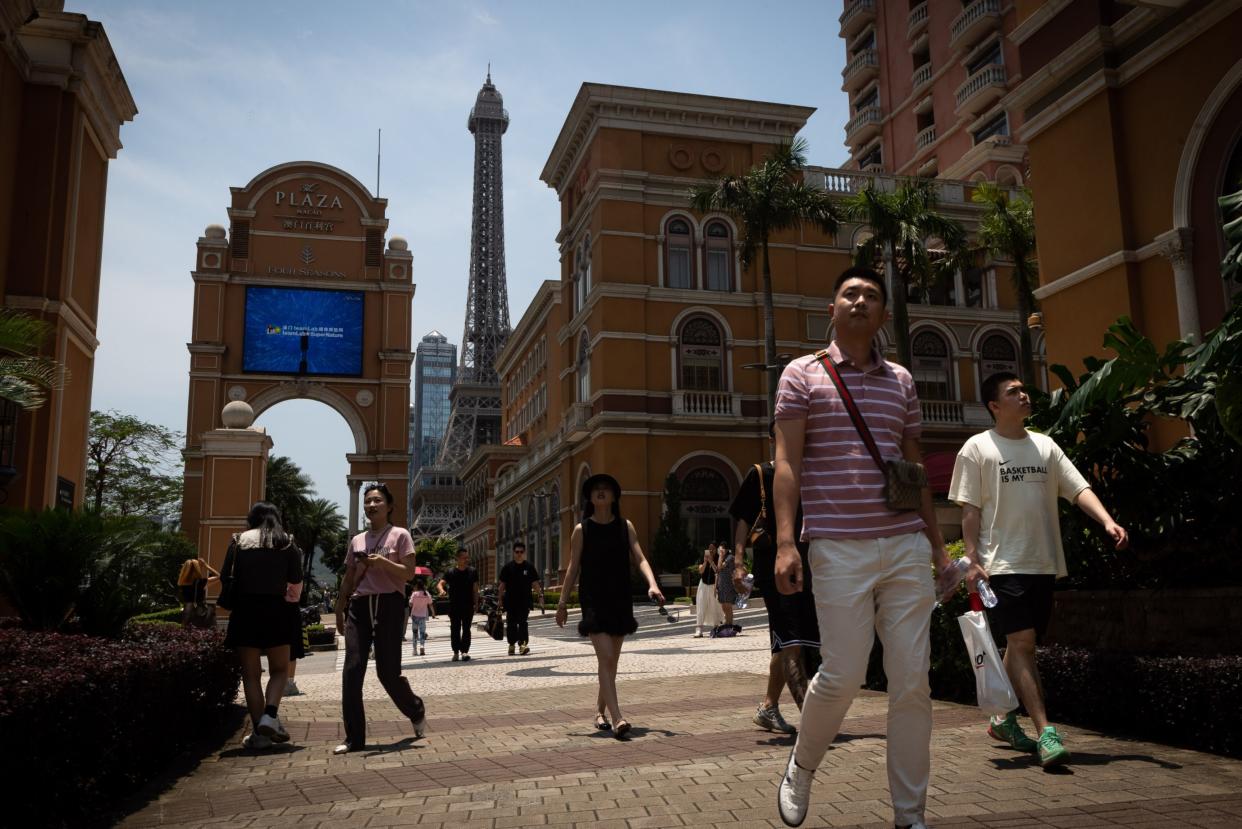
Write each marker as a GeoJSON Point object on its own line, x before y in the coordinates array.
{"type": "Point", "coordinates": [98, 718]}
{"type": "Point", "coordinates": [552, 598]}
{"type": "Point", "coordinates": [172, 614]}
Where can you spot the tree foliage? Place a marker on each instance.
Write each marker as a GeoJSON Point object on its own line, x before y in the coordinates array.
{"type": "Point", "coordinates": [1007, 231]}
{"type": "Point", "coordinates": [316, 524]}
{"type": "Point", "coordinates": [902, 223]}
{"type": "Point", "coordinates": [133, 467]}
{"type": "Point", "coordinates": [671, 550]}
{"type": "Point", "coordinates": [772, 197]}
{"type": "Point", "coordinates": [25, 375]}
{"type": "Point", "coordinates": [437, 553]}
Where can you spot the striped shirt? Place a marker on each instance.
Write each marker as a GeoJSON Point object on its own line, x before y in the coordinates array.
{"type": "Point", "coordinates": [842, 488]}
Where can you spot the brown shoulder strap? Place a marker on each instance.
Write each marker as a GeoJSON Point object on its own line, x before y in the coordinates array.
{"type": "Point", "coordinates": [763, 495]}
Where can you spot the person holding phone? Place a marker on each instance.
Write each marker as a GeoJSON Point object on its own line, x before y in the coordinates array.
{"type": "Point", "coordinates": [379, 563]}
{"type": "Point", "coordinates": [601, 550]}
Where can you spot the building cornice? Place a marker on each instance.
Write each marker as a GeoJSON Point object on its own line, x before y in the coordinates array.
{"type": "Point", "coordinates": [71, 52]}
{"type": "Point", "coordinates": [652, 110]}
{"type": "Point", "coordinates": [1003, 152]}
{"type": "Point", "coordinates": [546, 297]}
{"type": "Point", "coordinates": [1104, 264]}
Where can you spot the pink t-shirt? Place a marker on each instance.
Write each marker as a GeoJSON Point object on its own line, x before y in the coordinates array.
{"type": "Point", "coordinates": [420, 601]}
{"type": "Point", "coordinates": [842, 488]}
{"type": "Point", "coordinates": [394, 543]}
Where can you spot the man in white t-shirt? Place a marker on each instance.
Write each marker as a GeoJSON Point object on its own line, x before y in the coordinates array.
{"type": "Point", "coordinates": [1007, 481]}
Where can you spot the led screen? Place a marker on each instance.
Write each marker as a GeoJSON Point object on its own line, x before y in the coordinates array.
{"type": "Point", "coordinates": [302, 331]}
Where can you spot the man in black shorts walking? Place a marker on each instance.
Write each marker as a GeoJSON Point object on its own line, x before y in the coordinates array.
{"type": "Point", "coordinates": [462, 586]}
{"type": "Point", "coordinates": [792, 624]}
{"type": "Point", "coordinates": [1008, 481]}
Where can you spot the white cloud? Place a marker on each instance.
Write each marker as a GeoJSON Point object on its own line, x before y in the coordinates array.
{"type": "Point", "coordinates": [484, 17]}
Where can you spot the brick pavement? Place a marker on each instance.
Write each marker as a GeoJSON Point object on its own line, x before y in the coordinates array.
{"type": "Point", "coordinates": [529, 756]}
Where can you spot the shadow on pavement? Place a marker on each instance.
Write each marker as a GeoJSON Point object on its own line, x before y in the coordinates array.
{"type": "Point", "coordinates": [1077, 758]}
{"type": "Point", "coordinates": [389, 748]}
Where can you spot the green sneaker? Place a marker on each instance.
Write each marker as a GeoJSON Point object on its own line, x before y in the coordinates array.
{"type": "Point", "coordinates": [1051, 752]}
{"type": "Point", "coordinates": [1008, 731]}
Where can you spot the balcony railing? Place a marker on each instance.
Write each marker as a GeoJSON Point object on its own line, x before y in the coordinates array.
{"type": "Point", "coordinates": [918, 20]}
{"type": "Point", "coordinates": [861, 68]}
{"type": "Point", "coordinates": [922, 76]}
{"type": "Point", "coordinates": [706, 404]}
{"type": "Point", "coordinates": [848, 182]}
{"type": "Point", "coordinates": [863, 126]}
{"type": "Point", "coordinates": [981, 89]}
{"type": "Point", "coordinates": [925, 137]}
{"type": "Point", "coordinates": [954, 413]}
{"type": "Point", "coordinates": [575, 423]}
{"type": "Point", "coordinates": [977, 19]}
{"type": "Point", "coordinates": [857, 14]}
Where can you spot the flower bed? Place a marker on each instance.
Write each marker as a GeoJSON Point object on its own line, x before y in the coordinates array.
{"type": "Point", "coordinates": [97, 718]}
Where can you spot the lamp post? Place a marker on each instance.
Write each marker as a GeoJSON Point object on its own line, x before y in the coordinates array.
{"type": "Point", "coordinates": [8, 445]}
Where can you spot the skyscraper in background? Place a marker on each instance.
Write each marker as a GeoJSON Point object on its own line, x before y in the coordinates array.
{"type": "Point", "coordinates": [435, 370]}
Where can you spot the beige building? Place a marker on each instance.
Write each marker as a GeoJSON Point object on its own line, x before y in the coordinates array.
{"type": "Point", "coordinates": [635, 361]}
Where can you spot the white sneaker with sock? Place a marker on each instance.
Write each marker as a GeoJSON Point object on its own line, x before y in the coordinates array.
{"type": "Point", "coordinates": [794, 796]}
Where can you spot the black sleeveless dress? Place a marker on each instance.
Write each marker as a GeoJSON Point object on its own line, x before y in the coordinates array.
{"type": "Point", "coordinates": [604, 587]}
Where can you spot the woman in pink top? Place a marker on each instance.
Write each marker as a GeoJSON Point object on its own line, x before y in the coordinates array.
{"type": "Point", "coordinates": [421, 604]}
{"type": "Point", "coordinates": [379, 563]}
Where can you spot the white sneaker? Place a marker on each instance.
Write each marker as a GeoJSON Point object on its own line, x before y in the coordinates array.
{"type": "Point", "coordinates": [272, 728]}
{"type": "Point", "coordinates": [420, 728]}
{"type": "Point", "coordinates": [918, 824]}
{"type": "Point", "coordinates": [292, 689]}
{"type": "Point", "coordinates": [343, 748]}
{"type": "Point", "coordinates": [794, 795]}
{"type": "Point", "coordinates": [256, 741]}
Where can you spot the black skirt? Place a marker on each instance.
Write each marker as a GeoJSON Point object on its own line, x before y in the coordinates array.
{"type": "Point", "coordinates": [260, 621]}
{"type": "Point", "coordinates": [615, 621]}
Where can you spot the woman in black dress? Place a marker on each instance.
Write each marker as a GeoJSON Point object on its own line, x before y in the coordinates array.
{"type": "Point", "coordinates": [266, 568]}
{"type": "Point", "coordinates": [601, 550]}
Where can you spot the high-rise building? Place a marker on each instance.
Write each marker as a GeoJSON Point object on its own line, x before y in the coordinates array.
{"type": "Point", "coordinates": [435, 369]}
{"type": "Point", "coordinates": [475, 397]}
{"type": "Point", "coordinates": [925, 82]}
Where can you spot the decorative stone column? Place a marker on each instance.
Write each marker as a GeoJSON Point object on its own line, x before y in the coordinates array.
{"type": "Point", "coordinates": [1177, 246]}
{"type": "Point", "coordinates": [234, 478]}
{"type": "Point", "coordinates": [354, 487]}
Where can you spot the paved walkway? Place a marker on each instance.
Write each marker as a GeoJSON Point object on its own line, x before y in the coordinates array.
{"type": "Point", "coordinates": [511, 744]}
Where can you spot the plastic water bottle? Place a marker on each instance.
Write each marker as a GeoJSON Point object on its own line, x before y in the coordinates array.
{"type": "Point", "coordinates": [986, 594]}
{"type": "Point", "coordinates": [744, 598]}
{"type": "Point", "coordinates": [947, 583]}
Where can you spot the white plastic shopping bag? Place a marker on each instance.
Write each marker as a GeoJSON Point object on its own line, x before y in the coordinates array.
{"type": "Point", "coordinates": [995, 694]}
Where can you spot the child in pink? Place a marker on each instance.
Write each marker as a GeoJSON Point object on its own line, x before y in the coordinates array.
{"type": "Point", "coordinates": [421, 605]}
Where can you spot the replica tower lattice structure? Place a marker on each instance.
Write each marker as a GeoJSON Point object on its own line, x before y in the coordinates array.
{"type": "Point", "coordinates": [475, 399]}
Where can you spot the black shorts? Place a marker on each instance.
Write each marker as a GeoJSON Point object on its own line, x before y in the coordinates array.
{"type": "Point", "coordinates": [791, 619]}
{"type": "Point", "coordinates": [1023, 602]}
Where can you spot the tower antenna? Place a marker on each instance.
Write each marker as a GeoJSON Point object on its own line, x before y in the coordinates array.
{"type": "Point", "coordinates": [379, 144]}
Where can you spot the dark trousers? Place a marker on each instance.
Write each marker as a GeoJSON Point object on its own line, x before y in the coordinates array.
{"type": "Point", "coordinates": [515, 626]}
{"type": "Point", "coordinates": [459, 629]}
{"type": "Point", "coordinates": [379, 621]}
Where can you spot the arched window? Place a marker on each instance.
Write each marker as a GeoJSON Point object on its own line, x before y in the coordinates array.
{"type": "Point", "coordinates": [931, 366]}
{"type": "Point", "coordinates": [705, 507]}
{"type": "Point", "coordinates": [996, 353]}
{"type": "Point", "coordinates": [679, 253]}
{"type": "Point", "coordinates": [584, 369]}
{"type": "Point", "coordinates": [719, 258]}
{"type": "Point", "coordinates": [701, 353]}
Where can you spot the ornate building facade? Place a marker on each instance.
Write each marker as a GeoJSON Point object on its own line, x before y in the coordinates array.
{"type": "Point", "coordinates": [636, 361]}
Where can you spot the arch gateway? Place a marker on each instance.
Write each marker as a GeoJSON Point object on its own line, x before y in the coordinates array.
{"type": "Point", "coordinates": [298, 298]}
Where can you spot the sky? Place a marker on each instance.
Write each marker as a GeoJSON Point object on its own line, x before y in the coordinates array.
{"type": "Point", "coordinates": [229, 88]}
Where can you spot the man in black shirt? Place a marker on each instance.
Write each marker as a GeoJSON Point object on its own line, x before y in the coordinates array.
{"type": "Point", "coordinates": [462, 584]}
{"type": "Point", "coordinates": [792, 624]}
{"type": "Point", "coordinates": [516, 579]}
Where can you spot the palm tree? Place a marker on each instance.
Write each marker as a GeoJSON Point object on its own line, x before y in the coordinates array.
{"type": "Point", "coordinates": [317, 522]}
{"type": "Point", "coordinates": [26, 376]}
{"type": "Point", "coordinates": [901, 224]}
{"type": "Point", "coordinates": [772, 197]}
{"type": "Point", "coordinates": [288, 487]}
{"type": "Point", "coordinates": [1007, 231]}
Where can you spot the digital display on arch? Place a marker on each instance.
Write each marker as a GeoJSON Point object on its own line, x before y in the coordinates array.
{"type": "Point", "coordinates": [302, 331]}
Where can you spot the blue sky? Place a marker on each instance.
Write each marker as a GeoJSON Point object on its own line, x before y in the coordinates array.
{"type": "Point", "coordinates": [228, 88]}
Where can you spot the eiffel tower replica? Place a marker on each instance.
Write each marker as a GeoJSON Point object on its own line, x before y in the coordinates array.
{"type": "Point", "coordinates": [475, 398]}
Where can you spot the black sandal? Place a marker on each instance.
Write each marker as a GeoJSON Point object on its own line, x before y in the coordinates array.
{"type": "Point", "coordinates": [623, 728]}
{"type": "Point", "coordinates": [602, 724]}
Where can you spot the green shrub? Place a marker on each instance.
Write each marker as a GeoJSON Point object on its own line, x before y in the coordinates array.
{"type": "Point", "coordinates": [313, 629]}
{"type": "Point", "coordinates": [172, 614]}
{"type": "Point", "coordinates": [552, 598]}
{"type": "Point", "coordinates": [683, 600]}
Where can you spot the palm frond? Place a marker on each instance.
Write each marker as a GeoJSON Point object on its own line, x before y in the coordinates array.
{"type": "Point", "coordinates": [20, 333]}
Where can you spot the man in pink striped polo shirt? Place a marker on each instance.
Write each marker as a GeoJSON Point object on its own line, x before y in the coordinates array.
{"type": "Point", "coordinates": [869, 563]}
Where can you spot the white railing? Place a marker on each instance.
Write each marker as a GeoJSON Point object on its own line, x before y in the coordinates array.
{"type": "Point", "coordinates": [954, 413]}
{"type": "Point", "coordinates": [707, 403]}
{"type": "Point", "coordinates": [866, 59]}
{"type": "Point", "coordinates": [992, 75]}
{"type": "Point", "coordinates": [925, 137]}
{"type": "Point", "coordinates": [918, 17]}
{"type": "Point", "coordinates": [853, 8]}
{"type": "Point", "coordinates": [576, 418]}
{"type": "Point", "coordinates": [971, 15]}
{"type": "Point", "coordinates": [869, 116]}
{"type": "Point", "coordinates": [922, 75]}
{"type": "Point", "coordinates": [848, 182]}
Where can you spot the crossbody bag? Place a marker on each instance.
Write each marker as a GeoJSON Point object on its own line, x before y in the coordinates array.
{"type": "Point", "coordinates": [904, 481]}
{"type": "Point", "coordinates": [760, 526]}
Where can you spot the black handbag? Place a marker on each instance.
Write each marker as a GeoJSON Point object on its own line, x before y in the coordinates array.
{"type": "Point", "coordinates": [904, 481]}
{"type": "Point", "coordinates": [228, 583]}
{"type": "Point", "coordinates": [495, 626]}
{"type": "Point", "coordinates": [709, 574]}
{"type": "Point", "coordinates": [202, 615]}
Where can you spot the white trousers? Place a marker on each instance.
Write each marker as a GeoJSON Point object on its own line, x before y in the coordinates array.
{"type": "Point", "coordinates": [865, 587]}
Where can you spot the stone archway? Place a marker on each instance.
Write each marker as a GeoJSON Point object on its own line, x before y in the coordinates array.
{"type": "Point", "coordinates": [300, 298]}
